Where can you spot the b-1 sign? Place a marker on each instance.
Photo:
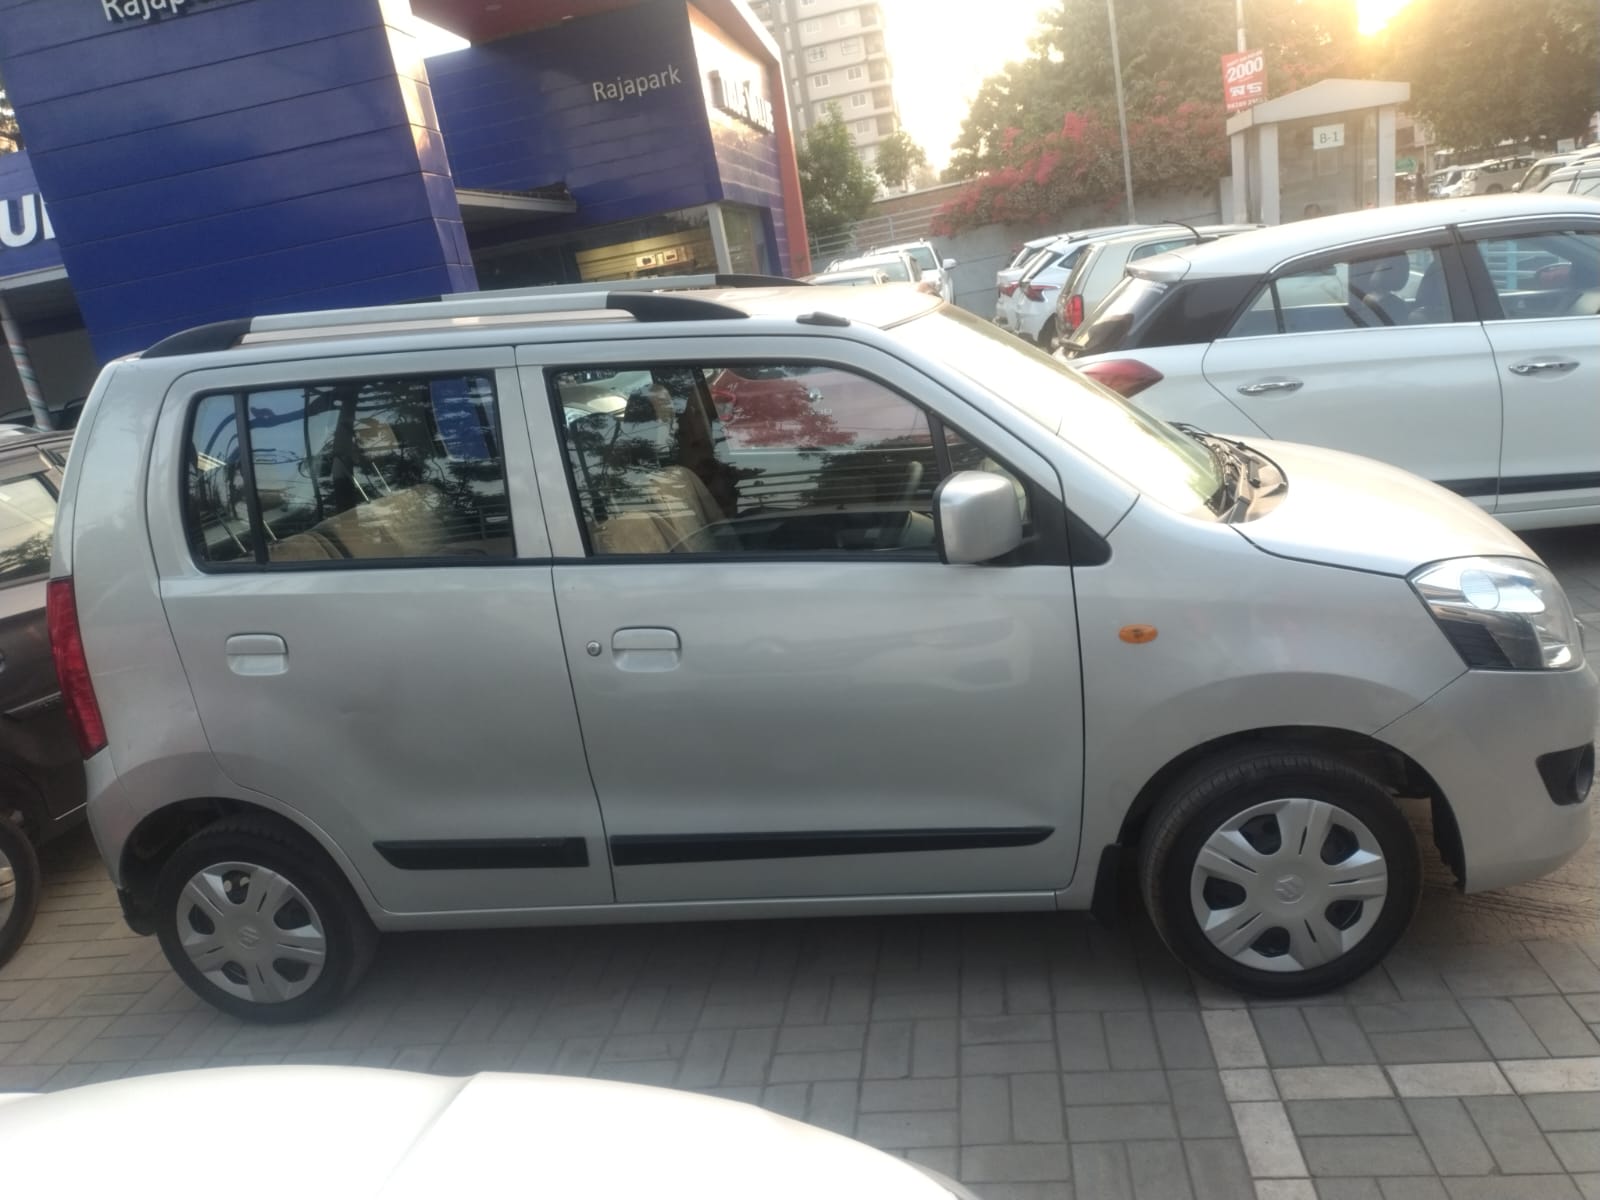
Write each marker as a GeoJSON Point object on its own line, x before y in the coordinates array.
{"type": "Point", "coordinates": [1244, 79]}
{"type": "Point", "coordinates": [1327, 137]}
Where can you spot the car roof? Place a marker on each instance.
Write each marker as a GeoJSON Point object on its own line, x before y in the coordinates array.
{"type": "Point", "coordinates": [865, 260]}
{"type": "Point", "coordinates": [902, 246]}
{"type": "Point", "coordinates": [1094, 234]}
{"type": "Point", "coordinates": [1261, 250]}
{"type": "Point", "coordinates": [695, 307]}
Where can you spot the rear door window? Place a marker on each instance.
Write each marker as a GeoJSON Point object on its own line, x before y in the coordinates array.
{"type": "Point", "coordinates": [1553, 274]}
{"type": "Point", "coordinates": [320, 474]}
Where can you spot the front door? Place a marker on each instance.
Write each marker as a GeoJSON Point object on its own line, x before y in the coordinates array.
{"type": "Point", "coordinates": [1542, 316]}
{"type": "Point", "coordinates": [1374, 352]}
{"type": "Point", "coordinates": [783, 691]}
{"type": "Point", "coordinates": [364, 609]}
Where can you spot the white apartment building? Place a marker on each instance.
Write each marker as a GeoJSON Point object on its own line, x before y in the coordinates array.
{"type": "Point", "coordinates": [834, 53]}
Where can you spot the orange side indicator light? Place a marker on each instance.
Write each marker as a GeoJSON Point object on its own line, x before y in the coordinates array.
{"type": "Point", "coordinates": [1137, 635]}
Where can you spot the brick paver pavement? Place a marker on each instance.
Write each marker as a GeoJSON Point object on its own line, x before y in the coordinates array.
{"type": "Point", "coordinates": [1033, 1056]}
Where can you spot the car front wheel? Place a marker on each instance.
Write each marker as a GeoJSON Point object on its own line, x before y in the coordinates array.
{"type": "Point", "coordinates": [1280, 873]}
{"type": "Point", "coordinates": [259, 923]}
{"type": "Point", "coordinates": [19, 887]}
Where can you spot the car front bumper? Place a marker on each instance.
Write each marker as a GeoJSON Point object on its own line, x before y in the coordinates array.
{"type": "Point", "coordinates": [1481, 739]}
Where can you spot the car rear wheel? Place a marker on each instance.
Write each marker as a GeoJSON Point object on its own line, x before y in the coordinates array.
{"type": "Point", "coordinates": [1280, 873]}
{"type": "Point", "coordinates": [259, 923]}
{"type": "Point", "coordinates": [19, 887]}
{"type": "Point", "coordinates": [1047, 334]}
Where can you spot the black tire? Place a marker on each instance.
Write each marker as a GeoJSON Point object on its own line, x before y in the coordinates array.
{"type": "Point", "coordinates": [1206, 799]}
{"type": "Point", "coordinates": [22, 860]}
{"type": "Point", "coordinates": [330, 907]}
{"type": "Point", "coordinates": [1047, 334]}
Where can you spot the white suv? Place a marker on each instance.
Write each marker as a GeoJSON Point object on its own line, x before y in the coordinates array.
{"type": "Point", "coordinates": [608, 604]}
{"type": "Point", "coordinates": [935, 270]}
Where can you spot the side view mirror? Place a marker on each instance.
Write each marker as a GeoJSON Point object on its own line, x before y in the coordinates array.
{"type": "Point", "coordinates": [976, 517]}
{"type": "Point", "coordinates": [949, 264]}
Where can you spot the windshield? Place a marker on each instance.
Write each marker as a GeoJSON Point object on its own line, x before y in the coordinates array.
{"type": "Point", "coordinates": [1164, 464]}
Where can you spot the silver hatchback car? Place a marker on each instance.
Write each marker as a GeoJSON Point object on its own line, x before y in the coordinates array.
{"type": "Point", "coordinates": [748, 601]}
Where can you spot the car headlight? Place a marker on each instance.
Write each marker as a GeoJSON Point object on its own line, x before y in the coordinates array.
{"type": "Point", "coordinates": [1501, 614]}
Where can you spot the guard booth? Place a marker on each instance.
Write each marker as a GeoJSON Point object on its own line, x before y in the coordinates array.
{"type": "Point", "coordinates": [1327, 148]}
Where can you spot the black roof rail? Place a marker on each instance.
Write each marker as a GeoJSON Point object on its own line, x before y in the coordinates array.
{"type": "Point", "coordinates": [202, 339]}
{"type": "Point", "coordinates": [655, 306]}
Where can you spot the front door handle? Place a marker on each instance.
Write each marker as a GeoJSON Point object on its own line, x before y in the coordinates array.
{"type": "Point", "coordinates": [257, 654]}
{"type": "Point", "coordinates": [645, 649]}
{"type": "Point", "coordinates": [1544, 366]}
{"type": "Point", "coordinates": [1278, 383]}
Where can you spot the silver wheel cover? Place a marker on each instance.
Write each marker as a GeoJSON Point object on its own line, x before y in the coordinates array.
{"type": "Point", "coordinates": [251, 932]}
{"type": "Point", "coordinates": [1265, 894]}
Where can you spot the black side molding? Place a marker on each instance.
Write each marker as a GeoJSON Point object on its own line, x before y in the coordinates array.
{"type": "Point", "coordinates": [202, 339]}
{"type": "Point", "coordinates": [485, 854]}
{"type": "Point", "coordinates": [649, 850]}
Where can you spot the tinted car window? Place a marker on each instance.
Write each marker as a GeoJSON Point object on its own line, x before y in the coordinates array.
{"type": "Point", "coordinates": [27, 519]}
{"type": "Point", "coordinates": [1129, 303]}
{"type": "Point", "coordinates": [398, 468]}
{"type": "Point", "coordinates": [1544, 275]}
{"type": "Point", "coordinates": [772, 458]}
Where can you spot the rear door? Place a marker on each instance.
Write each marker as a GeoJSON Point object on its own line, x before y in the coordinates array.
{"type": "Point", "coordinates": [1538, 284]}
{"type": "Point", "coordinates": [1374, 351]}
{"type": "Point", "coordinates": [358, 581]}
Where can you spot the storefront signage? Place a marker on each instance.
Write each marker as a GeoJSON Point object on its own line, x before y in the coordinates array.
{"type": "Point", "coordinates": [742, 99]}
{"type": "Point", "coordinates": [639, 85]}
{"type": "Point", "coordinates": [1327, 137]}
{"type": "Point", "coordinates": [24, 221]}
{"type": "Point", "coordinates": [122, 11]}
{"type": "Point", "coordinates": [1244, 79]}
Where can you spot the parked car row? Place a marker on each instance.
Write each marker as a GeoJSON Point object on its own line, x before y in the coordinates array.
{"type": "Point", "coordinates": [910, 262]}
{"type": "Point", "coordinates": [1066, 277]}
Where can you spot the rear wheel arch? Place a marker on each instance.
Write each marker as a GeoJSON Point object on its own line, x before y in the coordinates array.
{"type": "Point", "coordinates": [159, 834]}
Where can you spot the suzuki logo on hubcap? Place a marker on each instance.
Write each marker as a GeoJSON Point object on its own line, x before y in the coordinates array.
{"type": "Point", "coordinates": [1289, 888]}
{"type": "Point", "coordinates": [249, 936]}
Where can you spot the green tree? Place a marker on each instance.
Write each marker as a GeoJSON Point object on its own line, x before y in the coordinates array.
{"type": "Point", "coordinates": [1482, 73]}
{"type": "Point", "coordinates": [898, 157]}
{"type": "Point", "coordinates": [1171, 52]}
{"type": "Point", "coordinates": [835, 184]}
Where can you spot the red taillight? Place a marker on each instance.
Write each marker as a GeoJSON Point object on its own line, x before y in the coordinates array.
{"type": "Point", "coordinates": [1125, 376]}
{"type": "Point", "coordinates": [1007, 288]}
{"type": "Point", "coordinates": [1074, 310]}
{"type": "Point", "coordinates": [72, 668]}
{"type": "Point", "coordinates": [1036, 291]}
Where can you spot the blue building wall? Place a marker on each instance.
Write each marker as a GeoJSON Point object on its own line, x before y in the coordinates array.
{"type": "Point", "coordinates": [523, 111]}
{"type": "Point", "coordinates": [240, 157]}
{"type": "Point", "coordinates": [27, 241]}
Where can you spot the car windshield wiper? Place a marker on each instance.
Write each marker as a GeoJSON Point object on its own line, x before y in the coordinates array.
{"type": "Point", "coordinates": [1227, 467]}
{"type": "Point", "coordinates": [1232, 448]}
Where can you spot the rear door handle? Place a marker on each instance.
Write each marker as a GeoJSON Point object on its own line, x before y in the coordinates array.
{"type": "Point", "coordinates": [257, 654]}
{"type": "Point", "coordinates": [646, 649]}
{"type": "Point", "coordinates": [1278, 383]}
{"type": "Point", "coordinates": [1544, 366]}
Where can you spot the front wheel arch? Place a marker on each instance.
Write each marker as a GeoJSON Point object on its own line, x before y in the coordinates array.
{"type": "Point", "coordinates": [1397, 771]}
